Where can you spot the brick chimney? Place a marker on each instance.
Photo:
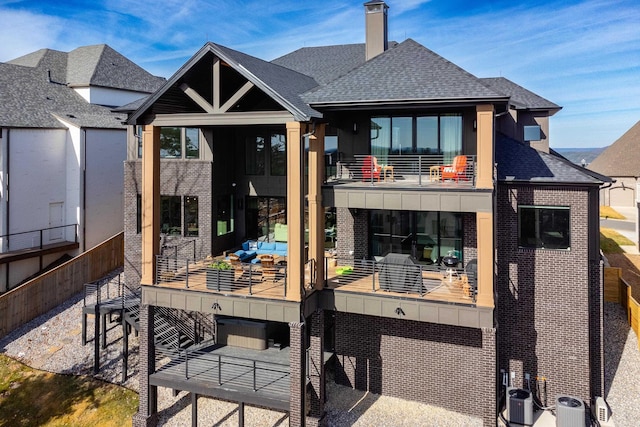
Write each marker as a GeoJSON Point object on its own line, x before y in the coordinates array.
{"type": "Point", "coordinates": [375, 16]}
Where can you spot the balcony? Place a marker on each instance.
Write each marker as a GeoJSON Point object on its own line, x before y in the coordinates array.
{"type": "Point", "coordinates": [405, 170]}
{"type": "Point", "coordinates": [416, 281]}
{"type": "Point", "coordinates": [242, 279]}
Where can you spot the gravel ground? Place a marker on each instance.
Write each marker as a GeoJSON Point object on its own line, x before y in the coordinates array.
{"type": "Point", "coordinates": [52, 343]}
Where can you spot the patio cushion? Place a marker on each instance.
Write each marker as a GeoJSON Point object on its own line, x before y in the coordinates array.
{"type": "Point", "coordinates": [265, 247]}
{"type": "Point", "coordinates": [281, 247]}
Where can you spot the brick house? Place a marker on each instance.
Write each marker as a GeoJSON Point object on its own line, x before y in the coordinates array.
{"type": "Point", "coordinates": [432, 239]}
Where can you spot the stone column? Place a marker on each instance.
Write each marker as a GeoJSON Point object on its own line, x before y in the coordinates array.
{"type": "Point", "coordinates": [316, 370]}
{"type": "Point", "coordinates": [148, 406]}
{"type": "Point", "coordinates": [297, 375]}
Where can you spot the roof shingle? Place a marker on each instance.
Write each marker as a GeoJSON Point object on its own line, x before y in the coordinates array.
{"type": "Point", "coordinates": [622, 158]}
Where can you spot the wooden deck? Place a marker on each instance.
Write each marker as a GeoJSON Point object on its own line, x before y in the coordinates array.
{"type": "Point", "coordinates": [436, 286]}
{"type": "Point", "coordinates": [249, 281]}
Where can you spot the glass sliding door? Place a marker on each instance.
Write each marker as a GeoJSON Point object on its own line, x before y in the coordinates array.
{"type": "Point", "coordinates": [426, 236]}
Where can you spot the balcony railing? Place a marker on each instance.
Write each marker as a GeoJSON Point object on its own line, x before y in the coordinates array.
{"type": "Point", "coordinates": [406, 169]}
{"type": "Point", "coordinates": [242, 278]}
{"type": "Point", "coordinates": [39, 239]}
{"type": "Point", "coordinates": [432, 282]}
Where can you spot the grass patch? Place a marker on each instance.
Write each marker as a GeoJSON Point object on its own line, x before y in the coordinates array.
{"type": "Point", "coordinates": [29, 397]}
{"type": "Point", "coordinates": [609, 212]}
{"type": "Point", "coordinates": [611, 240]}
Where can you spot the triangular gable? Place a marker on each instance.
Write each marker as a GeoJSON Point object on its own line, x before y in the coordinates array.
{"type": "Point", "coordinates": [218, 81]}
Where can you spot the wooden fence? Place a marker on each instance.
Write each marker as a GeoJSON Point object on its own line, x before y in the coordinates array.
{"type": "Point", "coordinates": [37, 296]}
{"type": "Point", "coordinates": [616, 289]}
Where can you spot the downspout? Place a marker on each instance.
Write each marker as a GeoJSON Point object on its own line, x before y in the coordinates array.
{"type": "Point", "coordinates": [7, 216]}
{"type": "Point", "coordinates": [84, 191]}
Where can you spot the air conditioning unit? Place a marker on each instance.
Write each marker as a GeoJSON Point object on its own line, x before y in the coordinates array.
{"type": "Point", "coordinates": [519, 406]}
{"type": "Point", "coordinates": [570, 412]}
{"type": "Point", "coordinates": [601, 412]}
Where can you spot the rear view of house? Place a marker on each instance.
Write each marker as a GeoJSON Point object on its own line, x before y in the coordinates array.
{"type": "Point", "coordinates": [370, 209]}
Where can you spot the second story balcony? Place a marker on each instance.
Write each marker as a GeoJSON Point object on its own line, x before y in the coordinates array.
{"type": "Point", "coordinates": [405, 171]}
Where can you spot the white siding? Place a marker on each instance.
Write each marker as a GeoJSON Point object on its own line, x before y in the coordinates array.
{"type": "Point", "coordinates": [106, 152]}
{"type": "Point", "coordinates": [108, 96]}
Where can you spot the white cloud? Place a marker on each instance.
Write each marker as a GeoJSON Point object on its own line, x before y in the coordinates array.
{"type": "Point", "coordinates": [22, 32]}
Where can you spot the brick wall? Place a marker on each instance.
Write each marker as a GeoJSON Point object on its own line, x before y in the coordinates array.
{"type": "Point", "coordinates": [297, 374]}
{"type": "Point", "coordinates": [352, 233]}
{"type": "Point", "coordinates": [442, 365]}
{"type": "Point", "coordinates": [545, 296]}
{"type": "Point", "coordinates": [469, 237]}
{"type": "Point", "coordinates": [177, 178]}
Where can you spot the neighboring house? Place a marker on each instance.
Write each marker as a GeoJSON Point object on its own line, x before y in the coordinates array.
{"type": "Point", "coordinates": [620, 161]}
{"type": "Point", "coordinates": [62, 153]}
{"type": "Point", "coordinates": [441, 276]}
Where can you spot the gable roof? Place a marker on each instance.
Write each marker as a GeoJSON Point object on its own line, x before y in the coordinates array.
{"type": "Point", "coordinates": [280, 83]}
{"type": "Point", "coordinates": [520, 97]}
{"type": "Point", "coordinates": [622, 158]}
{"type": "Point", "coordinates": [35, 93]}
{"type": "Point", "coordinates": [96, 65]}
{"type": "Point", "coordinates": [519, 163]}
{"type": "Point", "coordinates": [406, 73]}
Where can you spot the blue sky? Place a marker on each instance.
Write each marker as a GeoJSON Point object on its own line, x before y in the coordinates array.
{"type": "Point", "coordinates": [582, 55]}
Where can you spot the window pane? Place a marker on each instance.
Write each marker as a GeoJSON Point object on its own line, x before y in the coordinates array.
{"type": "Point", "coordinates": [170, 143]}
{"type": "Point", "coordinates": [191, 215]}
{"type": "Point", "coordinates": [138, 137]}
{"type": "Point", "coordinates": [278, 155]}
{"type": "Point", "coordinates": [170, 215]}
{"type": "Point", "coordinates": [380, 136]}
{"type": "Point", "coordinates": [192, 143]}
{"type": "Point", "coordinates": [139, 213]}
{"type": "Point", "coordinates": [224, 216]}
{"type": "Point", "coordinates": [451, 136]}
{"type": "Point", "coordinates": [544, 227]}
{"type": "Point", "coordinates": [427, 135]}
{"type": "Point", "coordinates": [402, 135]}
{"type": "Point", "coordinates": [254, 155]}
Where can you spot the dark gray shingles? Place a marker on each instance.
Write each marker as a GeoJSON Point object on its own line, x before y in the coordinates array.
{"type": "Point", "coordinates": [521, 98]}
{"type": "Point", "coordinates": [408, 72]}
{"type": "Point", "coordinates": [324, 63]}
{"type": "Point", "coordinates": [518, 163]}
{"type": "Point", "coordinates": [622, 158]}
{"type": "Point", "coordinates": [100, 65]}
{"type": "Point", "coordinates": [29, 98]}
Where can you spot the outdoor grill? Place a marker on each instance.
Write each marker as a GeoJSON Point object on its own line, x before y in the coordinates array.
{"type": "Point", "coordinates": [450, 261]}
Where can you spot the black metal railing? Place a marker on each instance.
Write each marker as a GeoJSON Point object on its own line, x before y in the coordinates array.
{"type": "Point", "coordinates": [37, 239]}
{"type": "Point", "coordinates": [408, 169]}
{"type": "Point", "coordinates": [205, 365]}
{"type": "Point", "coordinates": [248, 277]}
{"type": "Point", "coordinates": [412, 279]}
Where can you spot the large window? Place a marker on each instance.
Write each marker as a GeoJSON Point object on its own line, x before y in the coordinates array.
{"type": "Point", "coordinates": [191, 216]}
{"type": "Point", "coordinates": [170, 215]}
{"type": "Point", "coordinates": [278, 155]}
{"type": "Point", "coordinates": [175, 141]}
{"type": "Point", "coordinates": [224, 216]}
{"type": "Point", "coordinates": [426, 236]}
{"type": "Point", "coordinates": [545, 227]}
{"type": "Point", "coordinates": [254, 155]}
{"type": "Point", "coordinates": [178, 215]}
{"type": "Point", "coordinates": [433, 134]}
{"type": "Point", "coordinates": [262, 214]}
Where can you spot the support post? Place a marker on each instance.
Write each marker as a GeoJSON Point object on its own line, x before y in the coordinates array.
{"type": "Point", "coordinates": [295, 210]}
{"type": "Point", "coordinates": [297, 375]}
{"type": "Point", "coordinates": [316, 211]}
{"type": "Point", "coordinates": [316, 370]}
{"type": "Point", "coordinates": [148, 407]}
{"type": "Point", "coordinates": [150, 202]}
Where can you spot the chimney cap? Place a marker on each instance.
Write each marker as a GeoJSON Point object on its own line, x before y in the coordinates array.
{"type": "Point", "coordinates": [371, 6]}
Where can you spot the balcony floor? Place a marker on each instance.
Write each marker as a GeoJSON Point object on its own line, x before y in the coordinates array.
{"type": "Point", "coordinates": [409, 181]}
{"type": "Point", "coordinates": [436, 287]}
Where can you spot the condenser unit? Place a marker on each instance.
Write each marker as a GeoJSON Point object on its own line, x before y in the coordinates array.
{"type": "Point", "coordinates": [519, 406]}
{"type": "Point", "coordinates": [570, 412]}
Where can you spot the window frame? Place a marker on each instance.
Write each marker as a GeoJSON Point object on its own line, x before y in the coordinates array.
{"type": "Point", "coordinates": [539, 241]}
{"type": "Point", "coordinates": [184, 145]}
